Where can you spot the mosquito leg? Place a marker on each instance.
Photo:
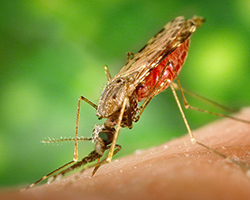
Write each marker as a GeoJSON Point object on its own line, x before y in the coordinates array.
{"type": "Point", "coordinates": [188, 106]}
{"type": "Point", "coordinates": [194, 141]}
{"type": "Point", "coordinates": [192, 138]}
{"type": "Point", "coordinates": [107, 73]}
{"type": "Point", "coordinates": [75, 158]}
{"type": "Point", "coordinates": [118, 127]}
{"type": "Point", "coordinates": [222, 107]}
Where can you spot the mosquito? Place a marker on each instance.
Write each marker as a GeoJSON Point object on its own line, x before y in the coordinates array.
{"type": "Point", "coordinates": [146, 74]}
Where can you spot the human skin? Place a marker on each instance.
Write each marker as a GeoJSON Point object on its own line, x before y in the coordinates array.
{"type": "Point", "coordinates": [173, 170]}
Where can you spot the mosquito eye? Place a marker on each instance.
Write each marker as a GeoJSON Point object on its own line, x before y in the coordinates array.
{"type": "Point", "coordinates": [107, 137]}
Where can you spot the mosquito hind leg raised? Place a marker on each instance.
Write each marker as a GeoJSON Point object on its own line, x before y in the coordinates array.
{"type": "Point", "coordinates": [188, 106]}
{"type": "Point", "coordinates": [204, 99]}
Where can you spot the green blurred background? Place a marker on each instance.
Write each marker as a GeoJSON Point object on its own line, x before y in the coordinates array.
{"type": "Point", "coordinates": [51, 52]}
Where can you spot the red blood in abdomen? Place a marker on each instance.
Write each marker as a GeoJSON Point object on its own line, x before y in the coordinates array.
{"type": "Point", "coordinates": [178, 57]}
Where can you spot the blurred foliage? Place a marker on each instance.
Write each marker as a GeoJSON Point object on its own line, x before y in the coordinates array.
{"type": "Point", "coordinates": [54, 51]}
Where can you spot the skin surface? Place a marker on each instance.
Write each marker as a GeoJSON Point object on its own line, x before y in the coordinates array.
{"type": "Point", "coordinates": [174, 170]}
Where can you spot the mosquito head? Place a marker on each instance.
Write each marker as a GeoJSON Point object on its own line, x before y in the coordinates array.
{"type": "Point", "coordinates": [102, 137]}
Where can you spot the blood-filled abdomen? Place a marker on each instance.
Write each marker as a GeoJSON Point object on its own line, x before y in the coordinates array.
{"type": "Point", "coordinates": [177, 58]}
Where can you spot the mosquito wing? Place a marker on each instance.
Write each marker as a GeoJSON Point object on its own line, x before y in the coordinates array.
{"type": "Point", "coordinates": [159, 47]}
